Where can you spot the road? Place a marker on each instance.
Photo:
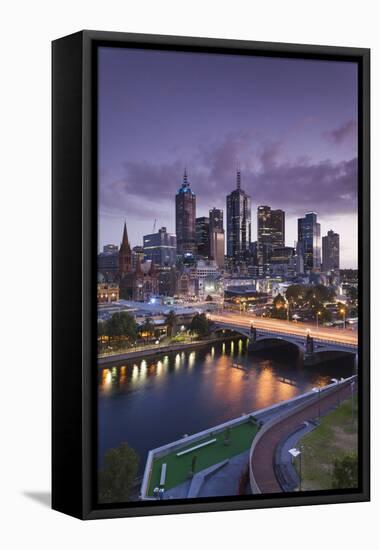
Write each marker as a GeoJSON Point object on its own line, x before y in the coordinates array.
{"type": "Point", "coordinates": [300, 329]}
{"type": "Point", "coordinates": [262, 460]}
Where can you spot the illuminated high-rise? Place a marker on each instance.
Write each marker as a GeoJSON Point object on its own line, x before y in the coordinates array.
{"type": "Point", "coordinates": [270, 233]}
{"type": "Point", "coordinates": [308, 230]}
{"type": "Point", "coordinates": [217, 236]}
{"type": "Point", "coordinates": [331, 251]}
{"type": "Point", "coordinates": [185, 203]}
{"type": "Point", "coordinates": [238, 219]}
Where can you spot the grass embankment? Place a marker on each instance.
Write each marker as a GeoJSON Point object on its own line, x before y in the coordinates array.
{"type": "Point", "coordinates": [335, 438]}
{"type": "Point", "coordinates": [179, 467]}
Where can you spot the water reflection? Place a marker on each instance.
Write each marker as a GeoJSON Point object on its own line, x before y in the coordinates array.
{"type": "Point", "coordinates": [156, 399]}
{"type": "Point", "coordinates": [192, 357]}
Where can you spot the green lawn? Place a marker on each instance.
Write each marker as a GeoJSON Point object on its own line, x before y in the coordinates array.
{"type": "Point", "coordinates": [179, 467]}
{"type": "Point", "coordinates": [335, 437]}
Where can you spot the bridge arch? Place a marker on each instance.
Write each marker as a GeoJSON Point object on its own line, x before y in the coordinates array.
{"type": "Point", "coordinates": [278, 340]}
{"type": "Point", "coordinates": [310, 345]}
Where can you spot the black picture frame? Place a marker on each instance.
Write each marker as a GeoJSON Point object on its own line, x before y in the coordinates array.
{"type": "Point", "coordinates": [74, 206]}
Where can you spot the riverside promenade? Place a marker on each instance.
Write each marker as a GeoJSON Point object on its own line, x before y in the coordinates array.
{"type": "Point", "coordinates": [221, 473]}
{"type": "Point", "coordinates": [263, 478]}
{"type": "Point", "coordinates": [154, 349]}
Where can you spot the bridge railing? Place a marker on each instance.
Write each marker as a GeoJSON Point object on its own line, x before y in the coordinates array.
{"type": "Point", "coordinates": [294, 335]}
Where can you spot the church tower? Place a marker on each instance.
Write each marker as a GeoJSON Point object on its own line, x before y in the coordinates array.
{"type": "Point", "coordinates": [124, 255]}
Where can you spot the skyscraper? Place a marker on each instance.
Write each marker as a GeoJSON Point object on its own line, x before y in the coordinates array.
{"type": "Point", "coordinates": [185, 202]}
{"type": "Point", "coordinates": [217, 236]}
{"type": "Point", "coordinates": [138, 255]}
{"type": "Point", "coordinates": [270, 233]}
{"type": "Point", "coordinates": [309, 241]}
{"type": "Point", "coordinates": [202, 236]}
{"type": "Point", "coordinates": [238, 215]}
{"type": "Point", "coordinates": [160, 247]}
{"type": "Point", "coordinates": [125, 254]}
{"type": "Point", "coordinates": [331, 251]}
{"type": "Point", "coordinates": [107, 262]}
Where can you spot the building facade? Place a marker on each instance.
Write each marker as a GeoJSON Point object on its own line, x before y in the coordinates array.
{"type": "Point", "coordinates": [238, 216]}
{"type": "Point", "coordinates": [185, 213]}
{"type": "Point", "coordinates": [141, 284]}
{"type": "Point", "coordinates": [308, 230]}
{"type": "Point", "coordinates": [160, 247]}
{"type": "Point", "coordinates": [137, 255]}
{"type": "Point", "coordinates": [331, 251]}
{"type": "Point", "coordinates": [270, 234]}
{"type": "Point", "coordinates": [202, 237]}
{"type": "Point", "coordinates": [283, 262]}
{"type": "Point", "coordinates": [107, 293]}
{"type": "Point", "coordinates": [208, 279]}
{"type": "Point", "coordinates": [217, 237]}
{"type": "Point", "coordinates": [107, 262]}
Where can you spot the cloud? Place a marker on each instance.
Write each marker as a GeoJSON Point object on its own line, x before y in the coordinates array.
{"type": "Point", "coordinates": [343, 133]}
{"type": "Point", "coordinates": [296, 186]}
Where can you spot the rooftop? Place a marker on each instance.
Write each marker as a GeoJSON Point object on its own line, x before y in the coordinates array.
{"type": "Point", "coordinates": [218, 447]}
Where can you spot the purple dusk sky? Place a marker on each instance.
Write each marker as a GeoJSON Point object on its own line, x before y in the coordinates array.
{"type": "Point", "coordinates": [290, 124]}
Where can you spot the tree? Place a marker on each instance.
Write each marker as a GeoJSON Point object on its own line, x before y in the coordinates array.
{"type": "Point", "coordinates": [171, 323]}
{"type": "Point", "coordinates": [352, 294]}
{"type": "Point", "coordinates": [279, 310]}
{"type": "Point", "coordinates": [148, 327]}
{"type": "Point", "coordinates": [118, 474]}
{"type": "Point", "coordinates": [200, 325]}
{"type": "Point", "coordinates": [295, 294]}
{"type": "Point", "coordinates": [101, 329]}
{"type": "Point", "coordinates": [121, 325]}
{"type": "Point", "coordinates": [323, 293]}
{"type": "Point", "coordinates": [325, 315]}
{"type": "Point", "coordinates": [345, 472]}
{"type": "Point", "coordinates": [279, 302]}
{"type": "Point", "coordinates": [101, 332]}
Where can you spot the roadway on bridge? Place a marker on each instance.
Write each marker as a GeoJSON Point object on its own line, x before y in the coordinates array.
{"type": "Point", "coordinates": [342, 336]}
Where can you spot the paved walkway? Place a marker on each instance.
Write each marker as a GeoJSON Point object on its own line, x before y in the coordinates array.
{"type": "Point", "coordinates": [284, 468]}
{"type": "Point", "coordinates": [263, 458]}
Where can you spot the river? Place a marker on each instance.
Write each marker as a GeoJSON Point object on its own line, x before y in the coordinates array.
{"type": "Point", "coordinates": [150, 402]}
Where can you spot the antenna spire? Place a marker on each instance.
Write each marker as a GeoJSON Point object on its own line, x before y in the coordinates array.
{"type": "Point", "coordinates": [238, 179]}
{"type": "Point", "coordinates": [185, 178]}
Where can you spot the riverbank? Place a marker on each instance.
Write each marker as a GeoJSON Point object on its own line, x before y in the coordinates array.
{"type": "Point", "coordinates": [210, 449]}
{"type": "Point", "coordinates": [334, 438]}
{"type": "Point", "coordinates": [114, 359]}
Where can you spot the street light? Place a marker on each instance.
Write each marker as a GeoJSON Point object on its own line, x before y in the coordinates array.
{"type": "Point", "coordinates": [297, 453]}
{"type": "Point", "coordinates": [343, 312]}
{"type": "Point", "coordinates": [317, 314]}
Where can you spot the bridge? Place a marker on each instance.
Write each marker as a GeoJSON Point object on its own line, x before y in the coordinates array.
{"type": "Point", "coordinates": [306, 343]}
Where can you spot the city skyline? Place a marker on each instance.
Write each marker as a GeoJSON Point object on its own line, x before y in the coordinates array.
{"type": "Point", "coordinates": [296, 149]}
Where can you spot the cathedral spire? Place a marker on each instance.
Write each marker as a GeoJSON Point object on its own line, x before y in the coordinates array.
{"type": "Point", "coordinates": [125, 254]}
{"type": "Point", "coordinates": [125, 240]}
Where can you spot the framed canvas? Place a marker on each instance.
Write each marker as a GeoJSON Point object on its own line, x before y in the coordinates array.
{"type": "Point", "coordinates": [210, 275]}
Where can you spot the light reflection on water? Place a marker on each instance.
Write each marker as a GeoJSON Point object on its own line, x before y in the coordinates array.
{"type": "Point", "coordinates": [152, 401]}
